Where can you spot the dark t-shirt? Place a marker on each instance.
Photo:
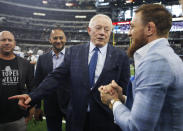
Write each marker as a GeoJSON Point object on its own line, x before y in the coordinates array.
{"type": "Point", "coordinates": [9, 86]}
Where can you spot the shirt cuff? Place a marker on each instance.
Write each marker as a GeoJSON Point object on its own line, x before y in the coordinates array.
{"type": "Point", "coordinates": [114, 107]}
{"type": "Point", "coordinates": [116, 104]}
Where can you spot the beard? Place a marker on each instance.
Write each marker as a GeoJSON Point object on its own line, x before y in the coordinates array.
{"type": "Point", "coordinates": [137, 44]}
{"type": "Point", "coordinates": [6, 53]}
{"type": "Point", "coordinates": [58, 49]}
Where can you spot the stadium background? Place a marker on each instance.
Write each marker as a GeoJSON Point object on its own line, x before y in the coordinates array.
{"type": "Point", "coordinates": [32, 20]}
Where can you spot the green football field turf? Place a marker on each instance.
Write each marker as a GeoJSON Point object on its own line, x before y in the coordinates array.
{"type": "Point", "coordinates": [39, 126]}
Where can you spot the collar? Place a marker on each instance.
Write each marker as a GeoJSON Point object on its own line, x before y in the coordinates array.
{"type": "Point", "coordinates": [60, 53]}
{"type": "Point", "coordinates": [102, 50]}
{"type": "Point", "coordinates": [140, 53]}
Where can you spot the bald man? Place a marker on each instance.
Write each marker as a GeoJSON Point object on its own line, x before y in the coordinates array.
{"type": "Point", "coordinates": [15, 73]}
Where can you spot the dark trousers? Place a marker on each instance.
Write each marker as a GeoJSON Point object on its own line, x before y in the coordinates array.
{"type": "Point", "coordinates": [87, 123]}
{"type": "Point", "coordinates": [54, 123]}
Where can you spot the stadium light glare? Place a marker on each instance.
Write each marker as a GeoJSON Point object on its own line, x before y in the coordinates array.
{"type": "Point", "coordinates": [45, 2]}
{"type": "Point", "coordinates": [69, 4]}
{"type": "Point", "coordinates": [39, 14]}
{"type": "Point", "coordinates": [80, 16]}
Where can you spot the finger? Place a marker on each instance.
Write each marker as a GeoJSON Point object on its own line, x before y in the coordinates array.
{"type": "Point", "coordinates": [113, 83]}
{"type": "Point", "coordinates": [16, 97]}
{"type": "Point", "coordinates": [112, 92]}
{"type": "Point", "coordinates": [100, 88]}
{"type": "Point", "coordinates": [106, 89]}
{"type": "Point", "coordinates": [102, 94]}
{"type": "Point", "coordinates": [27, 101]}
{"type": "Point", "coordinates": [21, 103]}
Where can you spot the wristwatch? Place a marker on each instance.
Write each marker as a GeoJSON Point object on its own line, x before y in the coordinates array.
{"type": "Point", "coordinates": [112, 102]}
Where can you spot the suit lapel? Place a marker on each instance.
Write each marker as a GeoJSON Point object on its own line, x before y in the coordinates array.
{"type": "Point", "coordinates": [85, 58]}
{"type": "Point", "coordinates": [50, 62]}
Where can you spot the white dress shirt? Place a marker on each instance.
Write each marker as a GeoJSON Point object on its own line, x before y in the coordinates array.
{"type": "Point", "coordinates": [57, 60]}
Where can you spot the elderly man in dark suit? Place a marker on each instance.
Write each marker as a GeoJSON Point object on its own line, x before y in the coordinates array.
{"type": "Point", "coordinates": [87, 66]}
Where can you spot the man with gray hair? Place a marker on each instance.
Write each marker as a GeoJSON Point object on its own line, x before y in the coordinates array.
{"type": "Point", "coordinates": [88, 66]}
{"type": "Point", "coordinates": [16, 77]}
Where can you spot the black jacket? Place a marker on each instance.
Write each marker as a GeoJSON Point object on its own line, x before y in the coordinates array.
{"type": "Point", "coordinates": [58, 100]}
{"type": "Point", "coordinates": [26, 71]}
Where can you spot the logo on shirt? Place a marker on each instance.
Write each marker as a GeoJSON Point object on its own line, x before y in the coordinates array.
{"type": "Point", "coordinates": [9, 76]}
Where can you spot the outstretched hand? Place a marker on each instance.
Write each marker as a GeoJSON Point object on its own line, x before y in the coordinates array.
{"type": "Point", "coordinates": [24, 100]}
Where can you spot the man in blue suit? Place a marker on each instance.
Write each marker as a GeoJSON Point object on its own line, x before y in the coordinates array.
{"type": "Point", "coordinates": [88, 66]}
{"type": "Point", "coordinates": [55, 104]}
{"type": "Point", "coordinates": [158, 84]}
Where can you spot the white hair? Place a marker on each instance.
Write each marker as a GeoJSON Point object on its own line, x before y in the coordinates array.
{"type": "Point", "coordinates": [99, 15]}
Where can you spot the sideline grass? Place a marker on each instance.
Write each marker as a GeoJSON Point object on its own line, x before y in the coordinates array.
{"type": "Point", "coordinates": [39, 126]}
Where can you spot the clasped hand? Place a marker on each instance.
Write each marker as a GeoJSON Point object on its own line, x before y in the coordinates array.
{"type": "Point", "coordinates": [111, 91]}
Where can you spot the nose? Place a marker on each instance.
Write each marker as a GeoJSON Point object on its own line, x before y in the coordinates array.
{"type": "Point", "coordinates": [102, 31]}
{"type": "Point", "coordinates": [58, 40]}
{"type": "Point", "coordinates": [7, 41]}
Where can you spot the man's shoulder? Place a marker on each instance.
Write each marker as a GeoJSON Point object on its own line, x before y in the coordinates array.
{"type": "Point", "coordinates": [45, 55]}
{"type": "Point", "coordinates": [77, 47]}
{"type": "Point", "coordinates": [118, 51]}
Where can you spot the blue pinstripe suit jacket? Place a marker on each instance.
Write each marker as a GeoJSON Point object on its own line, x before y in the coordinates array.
{"type": "Point", "coordinates": [157, 93]}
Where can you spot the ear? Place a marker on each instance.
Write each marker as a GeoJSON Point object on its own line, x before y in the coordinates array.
{"type": "Point", "coordinates": [14, 44]}
{"type": "Point", "coordinates": [150, 29]}
{"type": "Point", "coordinates": [50, 40]}
{"type": "Point", "coordinates": [89, 30]}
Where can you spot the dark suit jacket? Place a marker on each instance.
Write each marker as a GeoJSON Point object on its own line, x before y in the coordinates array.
{"type": "Point", "coordinates": [58, 100]}
{"type": "Point", "coordinates": [26, 72]}
{"type": "Point", "coordinates": [75, 67]}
